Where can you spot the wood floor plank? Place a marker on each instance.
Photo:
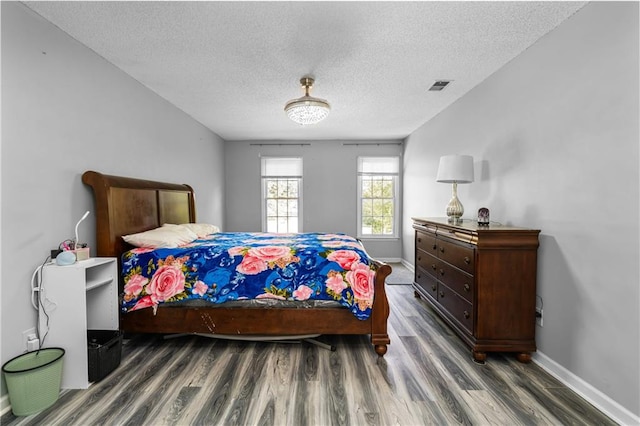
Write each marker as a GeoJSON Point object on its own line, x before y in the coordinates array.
{"type": "Point", "coordinates": [426, 378]}
{"type": "Point", "coordinates": [337, 409]}
{"type": "Point", "coordinates": [179, 405]}
{"type": "Point", "coordinates": [486, 410]}
{"type": "Point", "coordinates": [449, 402]}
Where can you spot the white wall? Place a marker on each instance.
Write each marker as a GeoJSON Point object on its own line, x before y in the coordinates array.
{"type": "Point", "coordinates": [329, 185]}
{"type": "Point", "coordinates": [66, 110]}
{"type": "Point", "coordinates": [555, 139]}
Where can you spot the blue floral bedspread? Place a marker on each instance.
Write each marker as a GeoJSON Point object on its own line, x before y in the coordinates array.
{"type": "Point", "coordinates": [237, 266]}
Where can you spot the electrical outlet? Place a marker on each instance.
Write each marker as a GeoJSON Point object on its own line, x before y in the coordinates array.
{"type": "Point", "coordinates": [28, 335]}
{"type": "Point", "coordinates": [539, 316]}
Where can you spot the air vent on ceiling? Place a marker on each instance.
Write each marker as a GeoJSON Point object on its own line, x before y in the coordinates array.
{"type": "Point", "coordinates": [439, 85]}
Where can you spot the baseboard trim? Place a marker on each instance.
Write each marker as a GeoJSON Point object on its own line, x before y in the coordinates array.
{"type": "Point", "coordinates": [407, 265]}
{"type": "Point", "coordinates": [598, 399]}
{"type": "Point", "coordinates": [389, 259]}
{"type": "Point", "coordinates": [601, 401]}
{"type": "Point", "coordinates": [5, 407]}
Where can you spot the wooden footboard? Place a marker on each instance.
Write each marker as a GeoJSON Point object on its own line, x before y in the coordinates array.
{"type": "Point", "coordinates": [249, 321]}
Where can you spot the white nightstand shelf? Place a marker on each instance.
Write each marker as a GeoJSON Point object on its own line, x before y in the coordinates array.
{"type": "Point", "coordinates": [77, 298]}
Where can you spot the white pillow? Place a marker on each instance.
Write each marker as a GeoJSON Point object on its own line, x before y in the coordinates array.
{"type": "Point", "coordinates": [201, 229]}
{"type": "Point", "coordinates": [167, 236]}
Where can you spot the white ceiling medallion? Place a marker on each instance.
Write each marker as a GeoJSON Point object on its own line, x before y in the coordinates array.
{"type": "Point", "coordinates": [307, 109]}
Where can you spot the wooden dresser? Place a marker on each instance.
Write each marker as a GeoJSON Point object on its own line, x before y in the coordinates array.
{"type": "Point", "coordinates": [481, 280]}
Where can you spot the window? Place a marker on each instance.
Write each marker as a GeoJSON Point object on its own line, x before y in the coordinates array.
{"type": "Point", "coordinates": [377, 191]}
{"type": "Point", "coordinates": [281, 194]}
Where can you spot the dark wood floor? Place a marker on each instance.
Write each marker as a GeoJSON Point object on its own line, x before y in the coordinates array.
{"type": "Point", "coordinates": [427, 377]}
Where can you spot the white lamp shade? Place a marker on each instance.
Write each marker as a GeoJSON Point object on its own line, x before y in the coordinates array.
{"type": "Point", "coordinates": [455, 169]}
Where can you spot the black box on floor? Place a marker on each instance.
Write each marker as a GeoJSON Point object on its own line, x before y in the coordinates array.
{"type": "Point", "coordinates": [105, 351]}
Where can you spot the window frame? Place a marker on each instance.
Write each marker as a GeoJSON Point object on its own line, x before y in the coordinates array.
{"type": "Point", "coordinates": [264, 179]}
{"type": "Point", "coordinates": [395, 196]}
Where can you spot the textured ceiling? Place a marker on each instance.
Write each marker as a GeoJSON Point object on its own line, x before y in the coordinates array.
{"type": "Point", "coordinates": [233, 65]}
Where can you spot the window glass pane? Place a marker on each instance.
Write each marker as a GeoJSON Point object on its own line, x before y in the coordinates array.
{"type": "Point", "coordinates": [282, 207]}
{"type": "Point", "coordinates": [292, 208]}
{"type": "Point", "coordinates": [283, 224]}
{"type": "Point", "coordinates": [366, 187]}
{"type": "Point", "coordinates": [380, 182]}
{"type": "Point", "coordinates": [282, 189]}
{"type": "Point", "coordinates": [387, 225]}
{"type": "Point", "coordinates": [272, 188]}
{"type": "Point", "coordinates": [387, 188]}
{"type": "Point", "coordinates": [378, 207]}
{"type": "Point", "coordinates": [367, 227]}
{"type": "Point", "coordinates": [377, 226]}
{"type": "Point", "coordinates": [293, 224]}
{"type": "Point", "coordinates": [272, 208]}
{"type": "Point", "coordinates": [292, 188]}
{"type": "Point", "coordinates": [367, 208]}
{"type": "Point", "coordinates": [388, 208]}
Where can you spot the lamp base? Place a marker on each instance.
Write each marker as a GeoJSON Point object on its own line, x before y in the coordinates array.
{"type": "Point", "coordinates": [454, 220]}
{"type": "Point", "coordinates": [455, 209]}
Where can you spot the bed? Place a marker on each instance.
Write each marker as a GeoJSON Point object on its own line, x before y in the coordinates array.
{"type": "Point", "coordinates": [126, 206]}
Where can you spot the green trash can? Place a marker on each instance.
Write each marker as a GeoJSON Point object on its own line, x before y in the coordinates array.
{"type": "Point", "coordinates": [33, 380]}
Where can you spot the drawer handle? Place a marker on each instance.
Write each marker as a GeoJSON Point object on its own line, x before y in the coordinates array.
{"type": "Point", "coordinates": [435, 246]}
{"type": "Point", "coordinates": [442, 272]}
{"type": "Point", "coordinates": [433, 287]}
{"type": "Point", "coordinates": [419, 239]}
{"type": "Point", "coordinates": [466, 315]}
{"type": "Point", "coordinates": [466, 287]}
{"type": "Point", "coordinates": [419, 258]}
{"type": "Point", "coordinates": [441, 249]}
{"type": "Point", "coordinates": [442, 294]}
{"type": "Point", "coordinates": [419, 276]}
{"type": "Point", "coordinates": [467, 260]}
{"type": "Point", "coordinates": [433, 266]}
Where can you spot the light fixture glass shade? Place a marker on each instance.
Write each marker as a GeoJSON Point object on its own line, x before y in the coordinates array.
{"type": "Point", "coordinates": [307, 109]}
{"type": "Point", "coordinates": [455, 169]}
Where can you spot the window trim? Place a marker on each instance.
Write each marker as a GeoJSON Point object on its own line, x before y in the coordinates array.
{"type": "Point", "coordinates": [263, 183]}
{"type": "Point", "coordinates": [396, 192]}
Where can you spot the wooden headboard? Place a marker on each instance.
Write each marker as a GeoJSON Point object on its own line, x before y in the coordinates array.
{"type": "Point", "coordinates": [125, 206]}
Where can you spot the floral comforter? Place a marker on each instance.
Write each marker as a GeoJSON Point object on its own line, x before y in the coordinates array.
{"type": "Point", "coordinates": [237, 266]}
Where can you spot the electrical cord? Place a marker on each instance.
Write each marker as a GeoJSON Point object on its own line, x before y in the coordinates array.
{"type": "Point", "coordinates": [41, 308]}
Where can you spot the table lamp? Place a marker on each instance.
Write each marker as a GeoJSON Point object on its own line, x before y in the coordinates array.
{"type": "Point", "coordinates": [455, 169]}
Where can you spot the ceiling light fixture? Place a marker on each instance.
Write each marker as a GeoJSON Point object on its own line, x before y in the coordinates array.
{"type": "Point", "coordinates": [307, 109]}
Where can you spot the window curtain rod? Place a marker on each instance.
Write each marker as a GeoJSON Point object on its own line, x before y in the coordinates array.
{"type": "Point", "coordinates": [372, 143]}
{"type": "Point", "coordinates": [280, 144]}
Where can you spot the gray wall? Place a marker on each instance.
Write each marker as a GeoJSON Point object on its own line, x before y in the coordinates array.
{"type": "Point", "coordinates": [329, 186]}
{"type": "Point", "coordinates": [66, 110]}
{"type": "Point", "coordinates": [555, 139]}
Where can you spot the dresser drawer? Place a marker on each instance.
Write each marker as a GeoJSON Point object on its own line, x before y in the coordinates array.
{"type": "Point", "coordinates": [458, 255]}
{"type": "Point", "coordinates": [427, 262]}
{"type": "Point", "coordinates": [426, 242]}
{"type": "Point", "coordinates": [427, 282]}
{"type": "Point", "coordinates": [457, 280]}
{"type": "Point", "coordinates": [458, 308]}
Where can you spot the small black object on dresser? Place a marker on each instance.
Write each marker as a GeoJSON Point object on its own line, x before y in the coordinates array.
{"type": "Point", "coordinates": [482, 282]}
